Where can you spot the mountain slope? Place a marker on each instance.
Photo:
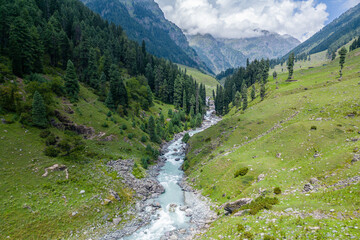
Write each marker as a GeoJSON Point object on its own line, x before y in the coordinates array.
{"type": "Point", "coordinates": [144, 20]}
{"type": "Point", "coordinates": [221, 53]}
{"type": "Point", "coordinates": [334, 35]}
{"type": "Point", "coordinates": [304, 139]}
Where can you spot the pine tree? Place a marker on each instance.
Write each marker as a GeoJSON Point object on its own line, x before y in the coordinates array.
{"type": "Point", "coordinates": [253, 94]}
{"type": "Point", "coordinates": [262, 91]}
{"type": "Point", "coordinates": [178, 91]}
{"type": "Point", "coordinates": [184, 106]}
{"type": "Point", "coordinates": [19, 41]}
{"type": "Point", "coordinates": [342, 53]}
{"type": "Point", "coordinates": [274, 75]}
{"type": "Point", "coordinates": [39, 111]}
{"type": "Point", "coordinates": [151, 129]}
{"type": "Point", "coordinates": [237, 99]}
{"type": "Point", "coordinates": [333, 56]}
{"type": "Point", "coordinates": [244, 96]}
{"type": "Point", "coordinates": [72, 86]}
{"type": "Point", "coordinates": [109, 102]}
{"type": "Point", "coordinates": [290, 65]}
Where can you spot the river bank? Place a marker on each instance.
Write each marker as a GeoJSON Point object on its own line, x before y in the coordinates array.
{"type": "Point", "coordinates": [167, 207]}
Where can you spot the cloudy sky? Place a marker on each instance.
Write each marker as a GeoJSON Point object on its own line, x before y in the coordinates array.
{"type": "Point", "coordinates": [238, 18]}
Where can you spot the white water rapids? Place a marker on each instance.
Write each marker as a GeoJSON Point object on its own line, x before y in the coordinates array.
{"type": "Point", "coordinates": [169, 218]}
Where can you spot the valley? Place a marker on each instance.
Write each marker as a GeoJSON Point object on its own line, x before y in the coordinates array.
{"type": "Point", "coordinates": [179, 120]}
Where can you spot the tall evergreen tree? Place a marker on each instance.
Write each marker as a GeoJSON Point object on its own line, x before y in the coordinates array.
{"type": "Point", "coordinates": [39, 111]}
{"type": "Point", "coordinates": [151, 129]}
{"type": "Point", "coordinates": [342, 53]}
{"type": "Point", "coordinates": [237, 99]}
{"type": "Point", "coordinates": [253, 93]}
{"type": "Point", "coordinates": [244, 96]}
{"type": "Point", "coordinates": [19, 41]}
{"type": "Point", "coordinates": [290, 65]}
{"type": "Point", "coordinates": [184, 104]}
{"type": "Point", "coordinates": [178, 91]}
{"type": "Point", "coordinates": [109, 102]}
{"type": "Point", "coordinates": [262, 91]}
{"type": "Point", "coordinates": [72, 86]}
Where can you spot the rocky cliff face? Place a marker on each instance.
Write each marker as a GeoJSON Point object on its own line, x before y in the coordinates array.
{"type": "Point", "coordinates": [221, 53]}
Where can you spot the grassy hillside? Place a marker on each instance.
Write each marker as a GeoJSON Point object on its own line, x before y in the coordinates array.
{"type": "Point", "coordinates": [52, 207]}
{"type": "Point", "coordinates": [316, 60]}
{"type": "Point", "coordinates": [303, 130]}
{"type": "Point", "coordinates": [209, 81]}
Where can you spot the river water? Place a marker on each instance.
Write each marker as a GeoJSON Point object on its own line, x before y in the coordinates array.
{"type": "Point", "coordinates": [180, 210]}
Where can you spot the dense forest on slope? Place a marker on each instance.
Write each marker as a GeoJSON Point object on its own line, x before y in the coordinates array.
{"type": "Point", "coordinates": [38, 34]}
{"type": "Point", "coordinates": [236, 86]}
{"type": "Point", "coordinates": [332, 36]}
{"type": "Point", "coordinates": [145, 21]}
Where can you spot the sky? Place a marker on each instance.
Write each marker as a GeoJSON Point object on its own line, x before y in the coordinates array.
{"type": "Point", "coordinates": [238, 18]}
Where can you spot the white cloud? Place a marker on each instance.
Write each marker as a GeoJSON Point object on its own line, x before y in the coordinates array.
{"type": "Point", "coordinates": [238, 18]}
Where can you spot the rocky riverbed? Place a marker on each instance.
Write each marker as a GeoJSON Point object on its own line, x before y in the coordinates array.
{"type": "Point", "coordinates": [167, 207]}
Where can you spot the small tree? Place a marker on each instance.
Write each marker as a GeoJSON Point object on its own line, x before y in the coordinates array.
{"type": "Point", "coordinates": [244, 96]}
{"type": "Point", "coordinates": [342, 53]}
{"type": "Point", "coordinates": [262, 91]}
{"type": "Point", "coordinates": [253, 94]}
{"type": "Point", "coordinates": [290, 65]}
{"type": "Point", "coordinates": [39, 111]}
{"type": "Point", "coordinates": [237, 99]}
{"type": "Point", "coordinates": [72, 87]}
{"type": "Point", "coordinates": [333, 56]}
{"type": "Point", "coordinates": [274, 75]}
{"type": "Point", "coordinates": [151, 129]}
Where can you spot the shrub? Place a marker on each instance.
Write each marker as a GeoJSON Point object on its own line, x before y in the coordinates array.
{"type": "Point", "coordinates": [186, 165]}
{"type": "Point", "coordinates": [240, 227]}
{"type": "Point", "coordinates": [51, 139]}
{"type": "Point", "coordinates": [109, 114]}
{"type": "Point", "coordinates": [124, 127]}
{"type": "Point", "coordinates": [277, 190]}
{"type": "Point", "coordinates": [170, 113]}
{"type": "Point", "coordinates": [131, 135]}
{"type": "Point", "coordinates": [133, 124]}
{"type": "Point", "coordinates": [44, 133]}
{"type": "Point", "coordinates": [51, 151]}
{"type": "Point", "coordinates": [186, 138]}
{"type": "Point", "coordinates": [268, 237]}
{"type": "Point", "coordinates": [241, 172]}
{"type": "Point", "coordinates": [248, 235]}
{"type": "Point", "coordinates": [313, 128]}
{"type": "Point", "coordinates": [105, 125]}
{"type": "Point", "coordinates": [259, 204]}
{"type": "Point", "coordinates": [143, 139]}
{"type": "Point", "coordinates": [145, 162]}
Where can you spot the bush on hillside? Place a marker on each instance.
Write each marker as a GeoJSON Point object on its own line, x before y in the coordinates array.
{"type": "Point", "coordinates": [143, 139]}
{"type": "Point", "coordinates": [51, 140]}
{"type": "Point", "coordinates": [186, 138]}
{"type": "Point", "coordinates": [313, 128]}
{"type": "Point", "coordinates": [44, 133]}
{"type": "Point", "coordinates": [277, 190]}
{"type": "Point", "coordinates": [51, 151]}
{"type": "Point", "coordinates": [259, 204]}
{"type": "Point", "coordinates": [124, 127]}
{"type": "Point", "coordinates": [241, 172]}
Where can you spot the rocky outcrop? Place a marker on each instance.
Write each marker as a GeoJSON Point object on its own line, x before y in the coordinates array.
{"type": "Point", "coordinates": [144, 188]}
{"type": "Point", "coordinates": [66, 124]}
{"type": "Point", "coordinates": [232, 206]}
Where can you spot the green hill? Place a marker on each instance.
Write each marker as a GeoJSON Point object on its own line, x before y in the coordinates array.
{"type": "Point", "coordinates": [332, 36]}
{"type": "Point", "coordinates": [305, 132]}
{"type": "Point", "coordinates": [200, 77]}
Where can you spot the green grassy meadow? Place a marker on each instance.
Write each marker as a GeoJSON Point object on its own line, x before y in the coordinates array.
{"type": "Point", "coordinates": [311, 123]}
{"type": "Point", "coordinates": [209, 81]}
{"type": "Point", "coordinates": [36, 207]}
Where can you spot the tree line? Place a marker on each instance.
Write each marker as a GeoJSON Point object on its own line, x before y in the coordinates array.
{"type": "Point", "coordinates": [236, 86]}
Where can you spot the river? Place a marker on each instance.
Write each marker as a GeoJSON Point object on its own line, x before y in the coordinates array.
{"type": "Point", "coordinates": [182, 212]}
